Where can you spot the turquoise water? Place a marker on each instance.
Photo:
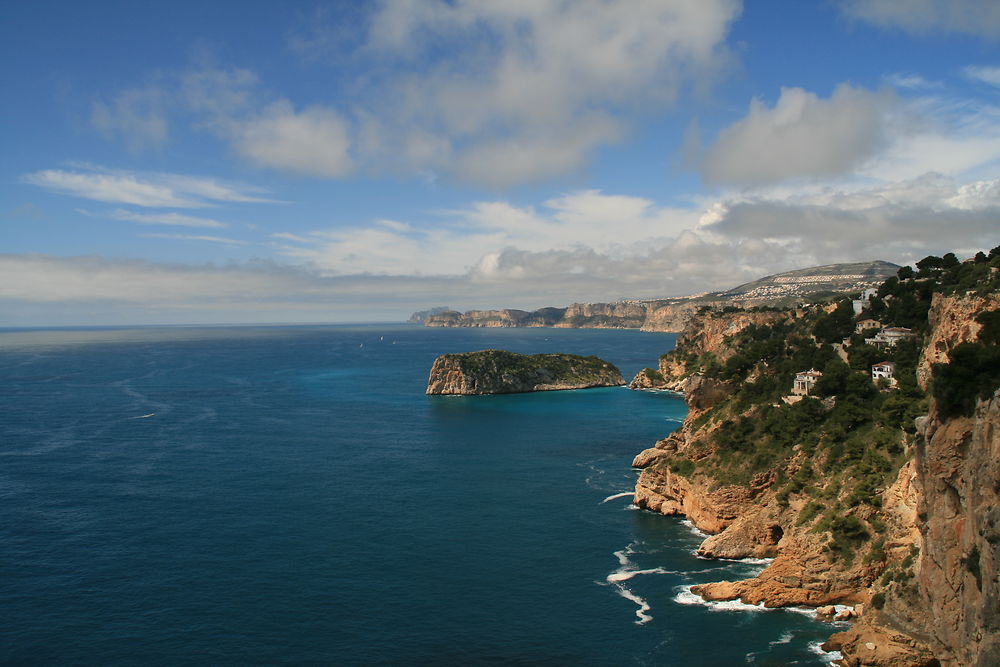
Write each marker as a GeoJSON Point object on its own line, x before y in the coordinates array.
{"type": "Point", "coordinates": [290, 495]}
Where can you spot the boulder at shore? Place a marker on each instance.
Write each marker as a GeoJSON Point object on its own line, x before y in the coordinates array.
{"type": "Point", "coordinates": [502, 372]}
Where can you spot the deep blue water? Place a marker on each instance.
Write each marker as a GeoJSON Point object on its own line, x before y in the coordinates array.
{"type": "Point", "coordinates": [262, 495]}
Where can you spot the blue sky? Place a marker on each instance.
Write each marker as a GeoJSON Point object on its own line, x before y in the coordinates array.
{"type": "Point", "coordinates": [348, 161]}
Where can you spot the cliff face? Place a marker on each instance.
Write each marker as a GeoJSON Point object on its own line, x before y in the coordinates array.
{"type": "Point", "coordinates": [671, 316]}
{"type": "Point", "coordinates": [958, 478]}
{"type": "Point", "coordinates": [952, 321]}
{"type": "Point", "coordinates": [920, 566]}
{"type": "Point", "coordinates": [705, 333]}
{"type": "Point", "coordinates": [621, 315]}
{"type": "Point", "coordinates": [502, 372]}
{"type": "Point", "coordinates": [544, 317]}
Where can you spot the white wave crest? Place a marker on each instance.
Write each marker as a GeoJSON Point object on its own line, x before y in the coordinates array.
{"type": "Point", "coordinates": [694, 529]}
{"type": "Point", "coordinates": [785, 638]}
{"type": "Point", "coordinates": [685, 596]}
{"type": "Point", "coordinates": [829, 657]}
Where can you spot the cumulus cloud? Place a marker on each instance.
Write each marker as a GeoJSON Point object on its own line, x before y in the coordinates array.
{"type": "Point", "coordinates": [147, 189]}
{"type": "Point", "coordinates": [314, 141]}
{"type": "Point", "coordinates": [491, 93]}
{"type": "Point", "coordinates": [514, 98]}
{"type": "Point", "coordinates": [801, 136]}
{"type": "Point", "coordinates": [921, 17]}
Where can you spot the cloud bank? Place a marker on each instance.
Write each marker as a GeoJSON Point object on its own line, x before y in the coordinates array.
{"type": "Point", "coordinates": [495, 255]}
{"type": "Point", "coordinates": [924, 17]}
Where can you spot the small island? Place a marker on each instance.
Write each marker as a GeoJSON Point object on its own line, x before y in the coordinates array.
{"type": "Point", "coordinates": [502, 372]}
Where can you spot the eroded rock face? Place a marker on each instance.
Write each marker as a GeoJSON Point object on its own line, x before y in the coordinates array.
{"type": "Point", "coordinates": [953, 321]}
{"type": "Point", "coordinates": [958, 478]}
{"type": "Point", "coordinates": [502, 372]}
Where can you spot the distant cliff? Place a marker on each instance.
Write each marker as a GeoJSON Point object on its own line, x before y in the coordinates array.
{"type": "Point", "coordinates": [886, 499]}
{"type": "Point", "coordinates": [502, 372]}
{"type": "Point", "coordinates": [421, 316]}
{"type": "Point", "coordinates": [672, 314]}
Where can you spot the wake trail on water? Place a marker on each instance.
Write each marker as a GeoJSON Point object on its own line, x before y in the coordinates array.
{"type": "Point", "coordinates": [618, 495]}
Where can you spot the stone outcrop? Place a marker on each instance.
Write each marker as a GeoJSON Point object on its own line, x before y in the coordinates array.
{"type": "Point", "coordinates": [502, 372]}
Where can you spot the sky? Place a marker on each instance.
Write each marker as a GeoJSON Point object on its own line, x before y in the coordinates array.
{"type": "Point", "coordinates": [254, 162]}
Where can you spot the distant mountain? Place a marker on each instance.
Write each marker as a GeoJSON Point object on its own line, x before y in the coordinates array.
{"type": "Point", "coordinates": [671, 314]}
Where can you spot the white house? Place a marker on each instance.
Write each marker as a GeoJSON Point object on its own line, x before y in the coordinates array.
{"type": "Point", "coordinates": [866, 296]}
{"type": "Point", "coordinates": [883, 369]}
{"type": "Point", "coordinates": [805, 381]}
{"type": "Point", "coordinates": [889, 336]}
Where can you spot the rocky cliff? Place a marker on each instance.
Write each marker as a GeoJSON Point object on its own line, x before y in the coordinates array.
{"type": "Point", "coordinates": [857, 503]}
{"type": "Point", "coordinates": [507, 317]}
{"type": "Point", "coordinates": [502, 372]}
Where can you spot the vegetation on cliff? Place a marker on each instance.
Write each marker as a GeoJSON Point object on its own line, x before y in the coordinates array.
{"type": "Point", "coordinates": [503, 372]}
{"type": "Point", "coordinates": [824, 479]}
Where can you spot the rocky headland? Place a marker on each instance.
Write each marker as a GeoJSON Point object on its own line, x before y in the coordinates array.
{"type": "Point", "coordinates": [502, 372]}
{"type": "Point", "coordinates": [883, 498]}
{"type": "Point", "coordinates": [673, 314]}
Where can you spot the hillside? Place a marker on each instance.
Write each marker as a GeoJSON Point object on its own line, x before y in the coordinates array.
{"type": "Point", "coordinates": [672, 314]}
{"type": "Point", "coordinates": [879, 493]}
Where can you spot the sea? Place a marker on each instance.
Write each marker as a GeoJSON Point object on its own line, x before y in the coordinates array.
{"type": "Point", "coordinates": [289, 495]}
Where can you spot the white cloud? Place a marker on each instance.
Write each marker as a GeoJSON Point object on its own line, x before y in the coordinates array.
{"type": "Point", "coordinates": [927, 17]}
{"type": "Point", "coordinates": [503, 93]}
{"type": "Point", "coordinates": [138, 116]}
{"type": "Point", "coordinates": [496, 93]}
{"type": "Point", "coordinates": [143, 189]}
{"type": "Point", "coordinates": [802, 136]}
{"type": "Point", "coordinates": [314, 141]}
{"type": "Point", "coordinates": [987, 75]}
{"type": "Point", "coordinates": [581, 246]}
{"type": "Point", "coordinates": [899, 221]}
{"type": "Point", "coordinates": [909, 80]}
{"type": "Point", "coordinates": [196, 237]}
{"type": "Point", "coordinates": [612, 224]}
{"type": "Point", "coordinates": [174, 219]}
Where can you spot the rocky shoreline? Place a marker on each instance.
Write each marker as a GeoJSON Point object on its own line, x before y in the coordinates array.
{"type": "Point", "coordinates": [926, 593]}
